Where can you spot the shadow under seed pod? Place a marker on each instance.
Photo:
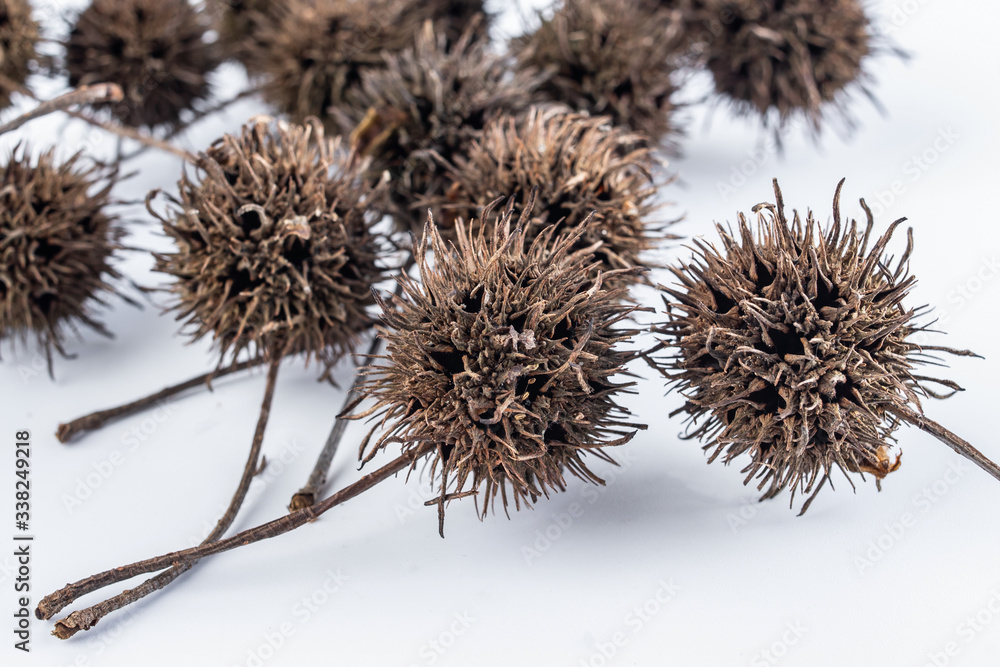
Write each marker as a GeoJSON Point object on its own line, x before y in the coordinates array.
{"type": "Point", "coordinates": [18, 36]}
{"type": "Point", "coordinates": [608, 58]}
{"type": "Point", "coordinates": [56, 245]}
{"type": "Point", "coordinates": [582, 166]}
{"type": "Point", "coordinates": [792, 344]}
{"type": "Point", "coordinates": [503, 358]}
{"type": "Point", "coordinates": [424, 109]}
{"type": "Point", "coordinates": [154, 49]}
{"type": "Point", "coordinates": [275, 252]}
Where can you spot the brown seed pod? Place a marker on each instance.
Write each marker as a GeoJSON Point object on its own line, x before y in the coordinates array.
{"type": "Point", "coordinates": [238, 23]}
{"type": "Point", "coordinates": [782, 59]}
{"type": "Point", "coordinates": [452, 18]}
{"type": "Point", "coordinates": [312, 55]}
{"type": "Point", "coordinates": [581, 165]}
{"type": "Point", "coordinates": [608, 58]}
{"type": "Point", "coordinates": [56, 246]}
{"type": "Point", "coordinates": [424, 109]}
{"type": "Point", "coordinates": [18, 36]}
{"type": "Point", "coordinates": [275, 254]}
{"type": "Point", "coordinates": [503, 356]}
{"type": "Point", "coordinates": [793, 345]}
{"type": "Point", "coordinates": [154, 49]}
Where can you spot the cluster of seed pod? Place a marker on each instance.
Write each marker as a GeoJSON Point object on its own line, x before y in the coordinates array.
{"type": "Point", "coordinates": [506, 357]}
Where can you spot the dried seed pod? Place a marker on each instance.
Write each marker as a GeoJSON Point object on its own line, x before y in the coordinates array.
{"type": "Point", "coordinates": [608, 58]}
{"type": "Point", "coordinates": [154, 49]}
{"type": "Point", "coordinates": [18, 36]}
{"type": "Point", "coordinates": [238, 23]}
{"type": "Point", "coordinates": [425, 108]}
{"type": "Point", "coordinates": [581, 165]}
{"type": "Point", "coordinates": [275, 252]}
{"type": "Point", "coordinates": [503, 356]}
{"type": "Point", "coordinates": [452, 18]}
{"type": "Point", "coordinates": [794, 345]}
{"type": "Point", "coordinates": [57, 241]}
{"type": "Point", "coordinates": [782, 59]}
{"type": "Point", "coordinates": [314, 52]}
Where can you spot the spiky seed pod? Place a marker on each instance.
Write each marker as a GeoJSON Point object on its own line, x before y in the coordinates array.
{"type": "Point", "coordinates": [18, 36]}
{"type": "Point", "coordinates": [503, 355]}
{"type": "Point", "coordinates": [452, 18]}
{"type": "Point", "coordinates": [782, 59]}
{"type": "Point", "coordinates": [794, 345]}
{"type": "Point", "coordinates": [238, 23]}
{"type": "Point", "coordinates": [275, 254]}
{"type": "Point", "coordinates": [608, 58]}
{"type": "Point", "coordinates": [424, 109]}
{"type": "Point", "coordinates": [581, 165]}
{"type": "Point", "coordinates": [57, 241]}
{"type": "Point", "coordinates": [313, 54]}
{"type": "Point", "coordinates": [154, 49]}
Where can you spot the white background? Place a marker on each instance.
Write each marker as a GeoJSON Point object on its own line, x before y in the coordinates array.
{"type": "Point", "coordinates": [843, 585]}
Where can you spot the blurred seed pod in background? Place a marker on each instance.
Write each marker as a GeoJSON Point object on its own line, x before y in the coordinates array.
{"type": "Point", "coordinates": [504, 354]}
{"type": "Point", "coordinates": [424, 109]}
{"type": "Point", "coordinates": [312, 55]}
{"type": "Point", "coordinates": [19, 33]}
{"type": "Point", "coordinates": [274, 248]}
{"type": "Point", "coordinates": [154, 49]}
{"type": "Point", "coordinates": [238, 24]}
{"type": "Point", "coordinates": [452, 18]}
{"type": "Point", "coordinates": [794, 345]}
{"type": "Point", "coordinates": [57, 243]}
{"type": "Point", "coordinates": [608, 58]}
{"type": "Point", "coordinates": [581, 165]}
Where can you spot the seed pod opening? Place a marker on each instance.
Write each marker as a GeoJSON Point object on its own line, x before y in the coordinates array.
{"type": "Point", "coordinates": [794, 345]}
{"type": "Point", "coordinates": [608, 58]}
{"type": "Point", "coordinates": [424, 109]}
{"type": "Point", "coordinates": [275, 254]}
{"type": "Point", "coordinates": [505, 355]}
{"type": "Point", "coordinates": [154, 49]}
{"type": "Point", "coordinates": [57, 241]}
{"type": "Point", "coordinates": [18, 36]}
{"type": "Point", "coordinates": [581, 165]}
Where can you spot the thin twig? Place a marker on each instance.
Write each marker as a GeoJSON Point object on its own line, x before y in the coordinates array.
{"type": "Point", "coordinates": [52, 604]}
{"type": "Point", "coordinates": [135, 135]}
{"type": "Point", "coordinates": [87, 618]}
{"type": "Point", "coordinates": [93, 94]}
{"type": "Point", "coordinates": [95, 420]}
{"type": "Point", "coordinates": [961, 446]}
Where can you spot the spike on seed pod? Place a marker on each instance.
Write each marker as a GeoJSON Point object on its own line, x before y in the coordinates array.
{"type": "Point", "coordinates": [503, 356]}
{"type": "Point", "coordinates": [581, 166]}
{"type": "Point", "coordinates": [794, 345]}
{"type": "Point", "coordinates": [154, 49]}
{"type": "Point", "coordinates": [57, 241]}
{"type": "Point", "coordinates": [783, 59]}
{"type": "Point", "coordinates": [275, 254]}
{"type": "Point", "coordinates": [608, 58]}
{"type": "Point", "coordinates": [313, 53]}
{"type": "Point", "coordinates": [18, 36]}
{"type": "Point", "coordinates": [425, 107]}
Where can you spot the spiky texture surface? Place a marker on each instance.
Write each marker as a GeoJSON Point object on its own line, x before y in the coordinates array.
{"type": "Point", "coordinates": [424, 109]}
{"type": "Point", "coordinates": [504, 356]}
{"type": "Point", "coordinates": [452, 18]}
{"type": "Point", "coordinates": [786, 58]}
{"type": "Point", "coordinates": [154, 49]}
{"type": "Point", "coordinates": [18, 36]}
{"type": "Point", "coordinates": [580, 165]}
{"type": "Point", "coordinates": [608, 57]}
{"type": "Point", "coordinates": [792, 344]}
{"type": "Point", "coordinates": [238, 23]}
{"type": "Point", "coordinates": [311, 57]}
{"type": "Point", "coordinates": [274, 251]}
{"type": "Point", "coordinates": [57, 242]}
